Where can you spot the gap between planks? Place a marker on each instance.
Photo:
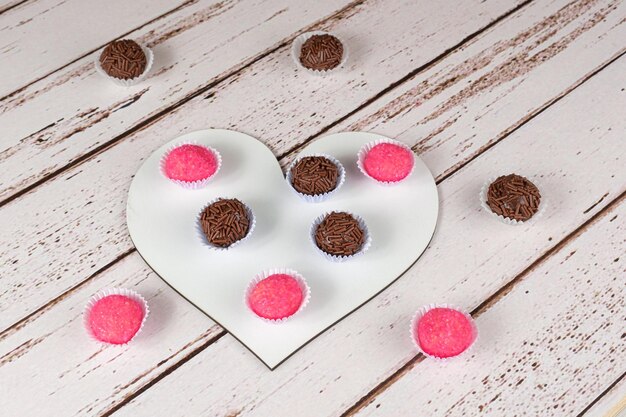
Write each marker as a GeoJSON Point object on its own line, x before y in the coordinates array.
{"type": "Point", "coordinates": [227, 75]}
{"type": "Point", "coordinates": [488, 303]}
{"type": "Point", "coordinates": [13, 6]}
{"type": "Point", "coordinates": [36, 80]}
{"type": "Point", "coordinates": [599, 397]}
{"type": "Point", "coordinates": [18, 324]}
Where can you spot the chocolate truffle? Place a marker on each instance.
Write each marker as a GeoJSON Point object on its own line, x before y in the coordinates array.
{"type": "Point", "coordinates": [321, 52]}
{"type": "Point", "coordinates": [225, 222]}
{"type": "Point", "coordinates": [123, 59]}
{"type": "Point", "coordinates": [513, 197]}
{"type": "Point", "coordinates": [339, 234]}
{"type": "Point", "coordinates": [313, 175]}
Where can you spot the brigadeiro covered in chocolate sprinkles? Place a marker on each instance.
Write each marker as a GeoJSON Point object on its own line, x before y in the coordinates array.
{"type": "Point", "coordinates": [513, 197]}
{"type": "Point", "coordinates": [315, 177]}
{"type": "Point", "coordinates": [319, 52]}
{"type": "Point", "coordinates": [123, 59]}
{"type": "Point", "coordinates": [225, 222]}
{"type": "Point", "coordinates": [340, 235]}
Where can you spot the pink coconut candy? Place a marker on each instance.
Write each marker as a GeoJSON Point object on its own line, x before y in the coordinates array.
{"type": "Point", "coordinates": [276, 297]}
{"type": "Point", "coordinates": [388, 162]}
{"type": "Point", "coordinates": [115, 319]}
{"type": "Point", "coordinates": [444, 332]}
{"type": "Point", "coordinates": [190, 163]}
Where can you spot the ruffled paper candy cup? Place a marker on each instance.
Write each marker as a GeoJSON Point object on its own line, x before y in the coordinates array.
{"type": "Point", "coordinates": [191, 185]}
{"type": "Point", "coordinates": [132, 81]}
{"type": "Point", "coordinates": [425, 309]}
{"type": "Point", "coordinates": [135, 296]}
{"type": "Point", "coordinates": [368, 147]}
{"type": "Point", "coordinates": [306, 291]}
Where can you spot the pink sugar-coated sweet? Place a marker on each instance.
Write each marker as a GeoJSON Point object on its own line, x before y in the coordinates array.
{"type": "Point", "coordinates": [388, 162]}
{"type": "Point", "coordinates": [276, 297]}
{"type": "Point", "coordinates": [190, 163]}
{"type": "Point", "coordinates": [444, 332]}
{"type": "Point", "coordinates": [115, 319]}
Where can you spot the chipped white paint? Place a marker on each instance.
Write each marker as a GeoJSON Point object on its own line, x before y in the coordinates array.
{"type": "Point", "coordinates": [470, 258]}
{"type": "Point", "coordinates": [68, 228]}
{"type": "Point", "coordinates": [547, 348]}
{"type": "Point", "coordinates": [44, 35]}
{"type": "Point", "coordinates": [65, 116]}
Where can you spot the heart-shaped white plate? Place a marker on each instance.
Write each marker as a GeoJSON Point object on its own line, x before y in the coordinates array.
{"type": "Point", "coordinates": [162, 219]}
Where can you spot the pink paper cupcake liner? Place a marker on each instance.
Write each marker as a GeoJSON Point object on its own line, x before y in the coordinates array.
{"type": "Point", "coordinates": [205, 241]}
{"type": "Point", "coordinates": [296, 47]}
{"type": "Point", "coordinates": [506, 220]}
{"type": "Point", "coordinates": [130, 82]}
{"type": "Point", "coordinates": [340, 258]}
{"type": "Point", "coordinates": [191, 185]}
{"type": "Point", "coordinates": [115, 291]}
{"type": "Point", "coordinates": [368, 146]}
{"type": "Point", "coordinates": [261, 276]}
{"type": "Point", "coordinates": [423, 310]}
{"type": "Point", "coordinates": [317, 198]}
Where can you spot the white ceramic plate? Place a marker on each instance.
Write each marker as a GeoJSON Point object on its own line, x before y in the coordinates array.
{"type": "Point", "coordinates": [162, 217]}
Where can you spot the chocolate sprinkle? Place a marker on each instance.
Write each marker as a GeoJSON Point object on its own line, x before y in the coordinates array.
{"type": "Point", "coordinates": [225, 222]}
{"type": "Point", "coordinates": [339, 234]}
{"type": "Point", "coordinates": [123, 59]}
{"type": "Point", "coordinates": [314, 175]}
{"type": "Point", "coordinates": [513, 197]}
{"type": "Point", "coordinates": [321, 52]}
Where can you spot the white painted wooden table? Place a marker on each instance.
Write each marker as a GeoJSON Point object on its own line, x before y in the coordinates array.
{"type": "Point", "coordinates": [477, 88]}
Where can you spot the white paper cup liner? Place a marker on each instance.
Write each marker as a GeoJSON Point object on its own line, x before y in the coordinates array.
{"type": "Point", "coordinates": [340, 258]}
{"type": "Point", "coordinates": [132, 81]}
{"type": "Point", "coordinates": [203, 237]}
{"type": "Point", "coordinates": [317, 197]}
{"type": "Point", "coordinates": [368, 147]}
{"type": "Point", "coordinates": [506, 220]}
{"type": "Point", "coordinates": [423, 310]}
{"type": "Point", "coordinates": [115, 291]}
{"type": "Point", "coordinates": [191, 185]}
{"type": "Point", "coordinates": [306, 291]}
{"type": "Point", "coordinates": [296, 47]}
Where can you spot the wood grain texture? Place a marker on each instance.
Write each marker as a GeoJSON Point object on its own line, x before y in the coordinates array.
{"type": "Point", "coordinates": [89, 113]}
{"type": "Point", "coordinates": [73, 364]}
{"type": "Point", "coordinates": [79, 223]}
{"type": "Point", "coordinates": [612, 403]}
{"type": "Point", "coordinates": [471, 257]}
{"type": "Point", "coordinates": [42, 36]}
{"type": "Point", "coordinates": [548, 347]}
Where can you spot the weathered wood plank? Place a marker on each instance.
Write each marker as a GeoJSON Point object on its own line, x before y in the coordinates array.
{"type": "Point", "coordinates": [83, 227]}
{"type": "Point", "coordinates": [44, 35]}
{"type": "Point", "coordinates": [8, 4]}
{"type": "Point", "coordinates": [471, 257]}
{"type": "Point", "coordinates": [89, 361]}
{"type": "Point", "coordinates": [75, 112]}
{"type": "Point", "coordinates": [548, 347]}
{"type": "Point", "coordinates": [611, 403]}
